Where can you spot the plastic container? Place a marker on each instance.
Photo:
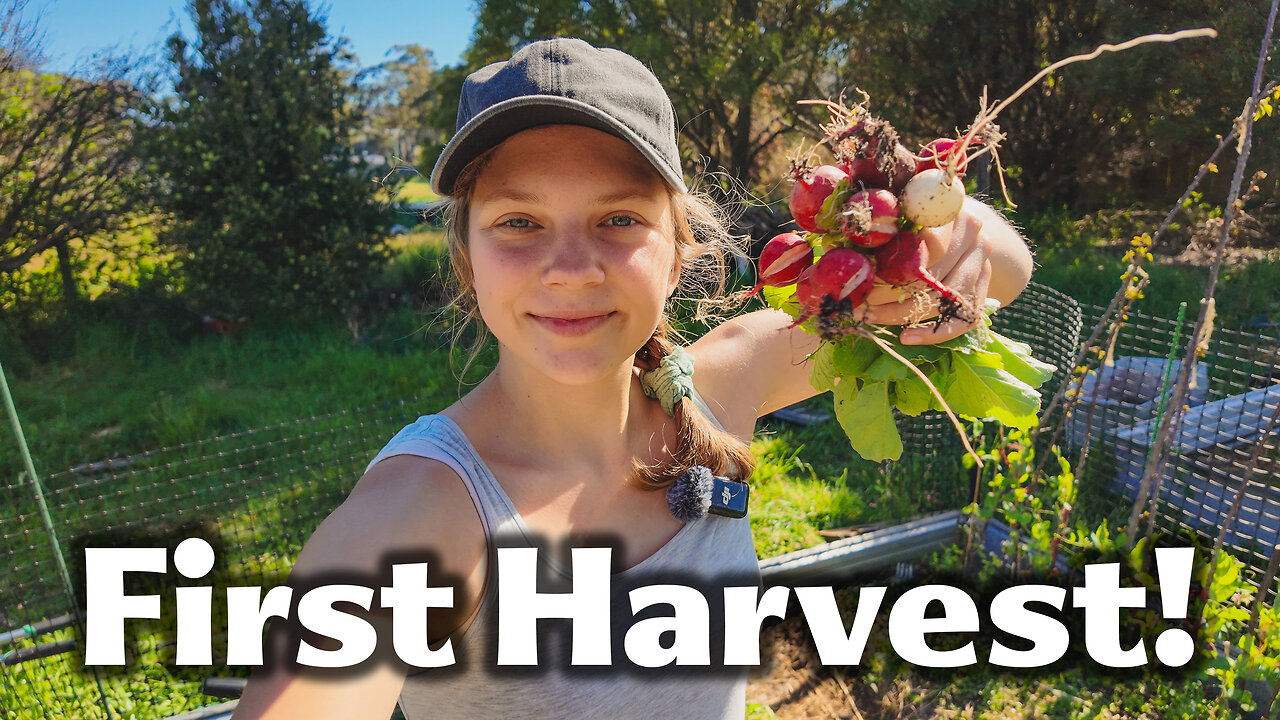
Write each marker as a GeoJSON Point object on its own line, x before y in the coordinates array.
{"type": "Point", "coordinates": [1125, 393]}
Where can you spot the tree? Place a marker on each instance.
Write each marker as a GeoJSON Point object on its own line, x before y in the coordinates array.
{"type": "Point", "coordinates": [270, 212]}
{"type": "Point", "coordinates": [734, 68]}
{"type": "Point", "coordinates": [1088, 131]}
{"type": "Point", "coordinates": [67, 172]}
{"type": "Point", "coordinates": [400, 94]}
{"type": "Point", "coordinates": [1115, 130]}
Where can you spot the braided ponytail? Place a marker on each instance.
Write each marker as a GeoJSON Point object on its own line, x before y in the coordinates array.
{"type": "Point", "coordinates": [698, 440]}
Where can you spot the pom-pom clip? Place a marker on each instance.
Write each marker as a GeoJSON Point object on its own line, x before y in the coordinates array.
{"type": "Point", "coordinates": [697, 493]}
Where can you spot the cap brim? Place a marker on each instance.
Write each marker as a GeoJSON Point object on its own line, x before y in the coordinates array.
{"type": "Point", "coordinates": [499, 122]}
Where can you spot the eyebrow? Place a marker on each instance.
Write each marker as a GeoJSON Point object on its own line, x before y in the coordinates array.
{"type": "Point", "coordinates": [606, 199]}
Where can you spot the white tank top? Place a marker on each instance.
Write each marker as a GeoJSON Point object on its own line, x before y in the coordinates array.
{"type": "Point", "coordinates": [708, 554]}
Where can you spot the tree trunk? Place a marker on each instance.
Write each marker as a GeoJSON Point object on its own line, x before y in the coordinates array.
{"type": "Point", "coordinates": [69, 291]}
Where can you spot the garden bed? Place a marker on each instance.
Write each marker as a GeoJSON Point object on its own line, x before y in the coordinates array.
{"type": "Point", "coordinates": [793, 683]}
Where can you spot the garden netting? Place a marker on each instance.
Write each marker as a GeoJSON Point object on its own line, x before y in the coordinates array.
{"type": "Point", "coordinates": [257, 495]}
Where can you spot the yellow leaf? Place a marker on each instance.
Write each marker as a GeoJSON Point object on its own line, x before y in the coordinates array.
{"type": "Point", "coordinates": [1213, 168]}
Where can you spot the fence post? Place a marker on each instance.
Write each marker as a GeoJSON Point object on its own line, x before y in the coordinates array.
{"type": "Point", "coordinates": [47, 519]}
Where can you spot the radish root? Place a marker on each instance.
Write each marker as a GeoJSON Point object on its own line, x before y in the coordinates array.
{"type": "Point", "coordinates": [982, 125]}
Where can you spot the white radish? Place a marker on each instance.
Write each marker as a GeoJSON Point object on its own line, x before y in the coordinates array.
{"type": "Point", "coordinates": [932, 198]}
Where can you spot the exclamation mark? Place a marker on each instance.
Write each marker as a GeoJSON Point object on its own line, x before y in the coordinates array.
{"type": "Point", "coordinates": [1175, 646]}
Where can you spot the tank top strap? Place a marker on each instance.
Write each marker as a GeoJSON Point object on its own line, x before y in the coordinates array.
{"type": "Point", "coordinates": [438, 438]}
{"type": "Point", "coordinates": [702, 406]}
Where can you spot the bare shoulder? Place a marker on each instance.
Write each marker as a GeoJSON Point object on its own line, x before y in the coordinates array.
{"type": "Point", "coordinates": [403, 507]}
{"type": "Point", "coordinates": [405, 504]}
{"type": "Point", "coordinates": [751, 365]}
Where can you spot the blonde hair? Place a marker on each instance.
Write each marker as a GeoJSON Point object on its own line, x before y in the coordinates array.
{"type": "Point", "coordinates": [704, 244]}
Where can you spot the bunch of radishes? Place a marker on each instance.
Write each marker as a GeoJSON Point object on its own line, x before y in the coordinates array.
{"type": "Point", "coordinates": [861, 218]}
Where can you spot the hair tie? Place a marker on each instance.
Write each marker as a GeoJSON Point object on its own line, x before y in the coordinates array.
{"type": "Point", "coordinates": [697, 492]}
{"type": "Point", "coordinates": [671, 381]}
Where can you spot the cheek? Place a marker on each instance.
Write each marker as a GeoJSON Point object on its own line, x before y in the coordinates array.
{"type": "Point", "coordinates": [496, 264]}
{"type": "Point", "coordinates": [653, 264]}
{"type": "Point", "coordinates": [493, 275]}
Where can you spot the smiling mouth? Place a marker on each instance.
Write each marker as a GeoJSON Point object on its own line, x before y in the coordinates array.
{"type": "Point", "coordinates": [571, 326]}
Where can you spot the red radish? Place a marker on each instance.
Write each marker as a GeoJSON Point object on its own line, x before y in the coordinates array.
{"type": "Point", "coordinates": [782, 260]}
{"type": "Point", "coordinates": [932, 198]}
{"type": "Point", "coordinates": [867, 171]}
{"type": "Point", "coordinates": [904, 167]}
{"type": "Point", "coordinates": [804, 291]}
{"type": "Point", "coordinates": [902, 261]}
{"type": "Point", "coordinates": [811, 190]}
{"type": "Point", "coordinates": [843, 273]}
{"type": "Point", "coordinates": [938, 153]}
{"type": "Point", "coordinates": [870, 218]}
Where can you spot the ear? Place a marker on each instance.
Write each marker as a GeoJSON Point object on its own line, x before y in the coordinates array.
{"type": "Point", "coordinates": [673, 281]}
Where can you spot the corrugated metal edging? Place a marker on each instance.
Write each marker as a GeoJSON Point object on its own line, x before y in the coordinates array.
{"type": "Point", "coordinates": [869, 551]}
{"type": "Point", "coordinates": [874, 550]}
{"type": "Point", "coordinates": [221, 711]}
{"type": "Point", "coordinates": [877, 549]}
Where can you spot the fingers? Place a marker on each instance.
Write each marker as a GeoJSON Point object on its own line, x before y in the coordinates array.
{"type": "Point", "coordinates": [954, 327]}
{"type": "Point", "coordinates": [963, 277]}
{"type": "Point", "coordinates": [964, 236]}
{"type": "Point", "coordinates": [912, 308]}
{"type": "Point", "coordinates": [945, 247]}
{"type": "Point", "coordinates": [959, 257]}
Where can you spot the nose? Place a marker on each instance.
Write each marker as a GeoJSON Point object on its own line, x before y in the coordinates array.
{"type": "Point", "coordinates": [573, 261]}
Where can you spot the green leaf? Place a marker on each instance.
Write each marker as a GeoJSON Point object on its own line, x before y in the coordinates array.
{"type": "Point", "coordinates": [926, 353]}
{"type": "Point", "coordinates": [978, 390]}
{"type": "Point", "coordinates": [887, 367]}
{"type": "Point", "coordinates": [828, 215]}
{"type": "Point", "coordinates": [912, 396]}
{"type": "Point", "coordinates": [782, 298]}
{"type": "Point", "coordinates": [1019, 361]}
{"type": "Point", "coordinates": [823, 374]}
{"type": "Point", "coordinates": [851, 360]}
{"type": "Point", "coordinates": [1224, 578]}
{"type": "Point", "coordinates": [867, 419]}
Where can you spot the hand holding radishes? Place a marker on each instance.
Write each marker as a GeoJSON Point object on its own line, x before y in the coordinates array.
{"type": "Point", "coordinates": [879, 209]}
{"type": "Point", "coordinates": [888, 238]}
{"type": "Point", "coordinates": [958, 257]}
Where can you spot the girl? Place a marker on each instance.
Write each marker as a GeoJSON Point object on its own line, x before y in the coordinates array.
{"type": "Point", "coordinates": [571, 229]}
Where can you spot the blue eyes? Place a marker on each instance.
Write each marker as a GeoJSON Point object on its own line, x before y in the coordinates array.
{"type": "Point", "coordinates": [616, 221]}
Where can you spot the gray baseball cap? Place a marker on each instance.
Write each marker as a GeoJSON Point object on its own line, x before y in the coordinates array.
{"type": "Point", "coordinates": [563, 81]}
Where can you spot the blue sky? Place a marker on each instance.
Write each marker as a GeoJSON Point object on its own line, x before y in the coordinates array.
{"type": "Point", "coordinates": [73, 28]}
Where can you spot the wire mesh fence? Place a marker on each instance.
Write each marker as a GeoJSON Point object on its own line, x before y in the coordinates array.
{"type": "Point", "coordinates": [1223, 443]}
{"type": "Point", "coordinates": [257, 495]}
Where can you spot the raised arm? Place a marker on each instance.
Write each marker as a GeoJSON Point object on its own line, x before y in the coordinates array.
{"type": "Point", "coordinates": [402, 506]}
{"type": "Point", "coordinates": [755, 363]}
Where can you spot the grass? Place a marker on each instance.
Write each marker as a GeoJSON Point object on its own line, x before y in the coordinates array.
{"type": "Point", "coordinates": [117, 388]}
{"type": "Point", "coordinates": [123, 391]}
{"type": "Point", "coordinates": [1083, 259]}
{"type": "Point", "coordinates": [1245, 292]}
{"type": "Point", "coordinates": [416, 190]}
{"type": "Point", "coordinates": [809, 479]}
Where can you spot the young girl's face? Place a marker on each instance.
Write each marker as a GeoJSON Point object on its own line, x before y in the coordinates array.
{"type": "Point", "coordinates": [572, 248]}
